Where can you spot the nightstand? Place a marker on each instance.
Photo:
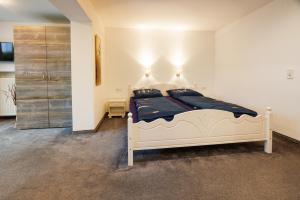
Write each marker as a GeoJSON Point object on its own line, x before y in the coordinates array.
{"type": "Point", "coordinates": [116, 107]}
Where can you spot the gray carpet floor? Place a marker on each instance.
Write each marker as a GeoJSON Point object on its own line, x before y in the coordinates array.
{"type": "Point", "coordinates": [55, 164]}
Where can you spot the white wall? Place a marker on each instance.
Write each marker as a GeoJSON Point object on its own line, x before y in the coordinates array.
{"type": "Point", "coordinates": [6, 31]}
{"type": "Point", "coordinates": [128, 52]}
{"type": "Point", "coordinates": [88, 99]}
{"type": "Point", "coordinates": [252, 57]}
{"type": "Point", "coordinates": [99, 90]}
{"type": "Point", "coordinates": [82, 76]}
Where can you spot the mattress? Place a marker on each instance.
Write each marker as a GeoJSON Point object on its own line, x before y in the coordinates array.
{"type": "Point", "coordinates": [150, 109]}
{"type": "Point", "coordinates": [202, 102]}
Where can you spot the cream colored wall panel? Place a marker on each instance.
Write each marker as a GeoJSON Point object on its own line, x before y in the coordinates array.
{"type": "Point", "coordinates": [129, 52]}
{"type": "Point", "coordinates": [253, 56]}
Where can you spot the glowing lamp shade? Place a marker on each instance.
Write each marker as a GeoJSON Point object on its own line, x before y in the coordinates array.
{"type": "Point", "coordinates": [178, 72]}
{"type": "Point", "coordinates": [178, 61]}
{"type": "Point", "coordinates": [146, 59]}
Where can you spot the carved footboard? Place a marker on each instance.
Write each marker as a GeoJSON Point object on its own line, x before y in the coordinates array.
{"type": "Point", "coordinates": [196, 128]}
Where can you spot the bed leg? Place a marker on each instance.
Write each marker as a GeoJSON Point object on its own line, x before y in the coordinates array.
{"type": "Point", "coordinates": [130, 158]}
{"type": "Point", "coordinates": [268, 132]}
{"type": "Point", "coordinates": [268, 145]}
{"type": "Point", "coordinates": [130, 146]}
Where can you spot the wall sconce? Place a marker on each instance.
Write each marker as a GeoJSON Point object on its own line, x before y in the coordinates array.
{"type": "Point", "coordinates": [147, 73]}
{"type": "Point", "coordinates": [178, 73]}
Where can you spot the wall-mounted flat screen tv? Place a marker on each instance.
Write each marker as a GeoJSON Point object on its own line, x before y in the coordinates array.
{"type": "Point", "coordinates": [6, 51]}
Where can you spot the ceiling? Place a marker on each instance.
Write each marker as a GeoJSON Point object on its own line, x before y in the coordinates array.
{"type": "Point", "coordinates": [30, 11]}
{"type": "Point", "coordinates": [183, 14]}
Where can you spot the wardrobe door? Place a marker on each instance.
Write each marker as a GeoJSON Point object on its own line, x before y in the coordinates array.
{"type": "Point", "coordinates": [32, 113]}
{"type": "Point", "coordinates": [59, 76]}
{"type": "Point", "coordinates": [31, 80]}
{"type": "Point", "coordinates": [30, 62]}
{"type": "Point", "coordinates": [60, 112]}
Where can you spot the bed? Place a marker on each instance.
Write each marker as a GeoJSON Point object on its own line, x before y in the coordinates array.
{"type": "Point", "coordinates": [203, 102]}
{"type": "Point", "coordinates": [150, 109]}
{"type": "Point", "coordinates": [195, 127]}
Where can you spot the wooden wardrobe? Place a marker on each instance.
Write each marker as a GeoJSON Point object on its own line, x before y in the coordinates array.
{"type": "Point", "coordinates": [43, 76]}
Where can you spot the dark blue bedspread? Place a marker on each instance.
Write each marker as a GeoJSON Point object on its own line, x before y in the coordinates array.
{"type": "Point", "coordinates": [149, 109]}
{"type": "Point", "coordinates": [201, 102]}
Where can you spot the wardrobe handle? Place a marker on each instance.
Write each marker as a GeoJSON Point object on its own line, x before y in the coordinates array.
{"type": "Point", "coordinates": [43, 76]}
{"type": "Point", "coordinates": [27, 74]}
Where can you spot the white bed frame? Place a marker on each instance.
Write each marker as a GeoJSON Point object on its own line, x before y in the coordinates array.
{"type": "Point", "coordinates": [196, 128]}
